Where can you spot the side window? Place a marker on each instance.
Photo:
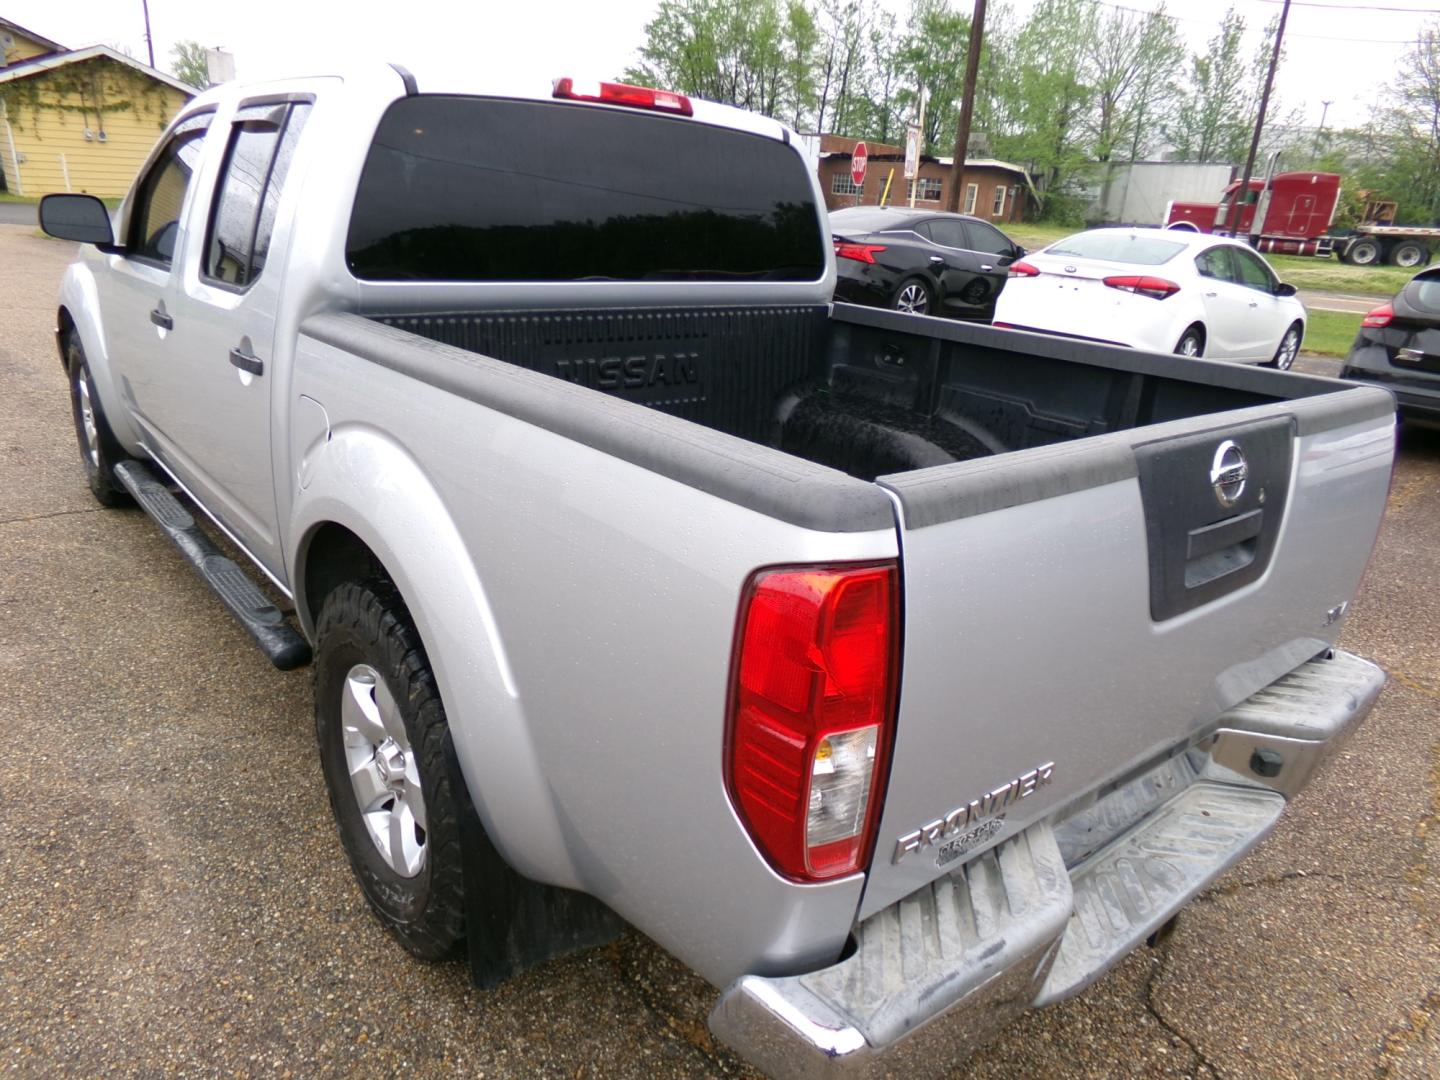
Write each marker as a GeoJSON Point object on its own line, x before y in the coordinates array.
{"type": "Point", "coordinates": [984, 238]}
{"type": "Point", "coordinates": [155, 219]}
{"type": "Point", "coordinates": [1254, 274]}
{"type": "Point", "coordinates": [947, 233]}
{"type": "Point", "coordinates": [1215, 263]}
{"type": "Point", "coordinates": [262, 144]}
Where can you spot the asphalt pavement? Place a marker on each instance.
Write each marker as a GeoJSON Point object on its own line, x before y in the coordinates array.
{"type": "Point", "coordinates": [18, 214]}
{"type": "Point", "coordinates": [173, 899]}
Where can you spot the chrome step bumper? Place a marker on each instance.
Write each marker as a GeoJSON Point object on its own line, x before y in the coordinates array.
{"type": "Point", "coordinates": [1043, 915]}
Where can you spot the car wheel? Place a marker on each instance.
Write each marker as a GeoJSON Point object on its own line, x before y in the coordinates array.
{"type": "Point", "coordinates": [1364, 252]}
{"type": "Point", "coordinates": [1191, 343]}
{"type": "Point", "coordinates": [100, 451]}
{"type": "Point", "coordinates": [912, 296]}
{"type": "Point", "coordinates": [1288, 350]}
{"type": "Point", "coordinates": [382, 735]}
{"type": "Point", "coordinates": [1409, 254]}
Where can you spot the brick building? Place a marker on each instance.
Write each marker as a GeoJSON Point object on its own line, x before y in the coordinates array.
{"type": "Point", "coordinates": [994, 190]}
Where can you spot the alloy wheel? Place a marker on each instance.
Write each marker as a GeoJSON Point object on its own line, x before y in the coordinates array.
{"type": "Point", "coordinates": [913, 299]}
{"type": "Point", "coordinates": [384, 774]}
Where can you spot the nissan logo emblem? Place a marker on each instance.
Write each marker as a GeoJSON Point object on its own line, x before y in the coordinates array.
{"type": "Point", "coordinates": [1228, 473]}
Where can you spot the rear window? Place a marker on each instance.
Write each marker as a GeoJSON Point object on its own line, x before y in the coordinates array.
{"type": "Point", "coordinates": [1424, 291]}
{"type": "Point", "coordinates": [1117, 245]}
{"type": "Point", "coordinates": [480, 189]}
{"type": "Point", "coordinates": [868, 219]}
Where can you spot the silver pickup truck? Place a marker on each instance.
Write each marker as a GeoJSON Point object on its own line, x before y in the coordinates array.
{"type": "Point", "coordinates": [897, 675]}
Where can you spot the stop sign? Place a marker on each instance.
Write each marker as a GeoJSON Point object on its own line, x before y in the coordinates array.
{"type": "Point", "coordinates": [858, 161]}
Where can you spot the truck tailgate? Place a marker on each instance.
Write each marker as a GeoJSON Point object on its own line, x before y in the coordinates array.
{"type": "Point", "coordinates": [1073, 612]}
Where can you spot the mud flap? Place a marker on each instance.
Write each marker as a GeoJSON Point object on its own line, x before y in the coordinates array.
{"type": "Point", "coordinates": [511, 922]}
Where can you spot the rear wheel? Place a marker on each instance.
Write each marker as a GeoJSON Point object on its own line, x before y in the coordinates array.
{"type": "Point", "coordinates": [1289, 349]}
{"type": "Point", "coordinates": [1364, 252]}
{"type": "Point", "coordinates": [1409, 253]}
{"type": "Point", "coordinates": [1191, 343]}
{"type": "Point", "coordinates": [912, 296]}
{"type": "Point", "coordinates": [382, 734]}
{"type": "Point", "coordinates": [100, 451]}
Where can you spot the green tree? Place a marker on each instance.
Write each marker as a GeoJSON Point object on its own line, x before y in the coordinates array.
{"type": "Point", "coordinates": [1407, 121]}
{"type": "Point", "coordinates": [188, 64]}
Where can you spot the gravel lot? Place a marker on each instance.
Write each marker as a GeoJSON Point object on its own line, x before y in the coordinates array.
{"type": "Point", "coordinates": [173, 898]}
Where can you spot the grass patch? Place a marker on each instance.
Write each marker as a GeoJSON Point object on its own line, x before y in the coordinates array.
{"type": "Point", "coordinates": [1331, 275]}
{"type": "Point", "coordinates": [1331, 333]}
{"type": "Point", "coordinates": [26, 200]}
{"type": "Point", "coordinates": [1033, 236]}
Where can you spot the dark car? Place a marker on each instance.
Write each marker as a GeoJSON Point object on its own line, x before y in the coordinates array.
{"type": "Point", "coordinates": [1398, 347]}
{"type": "Point", "coordinates": [920, 261]}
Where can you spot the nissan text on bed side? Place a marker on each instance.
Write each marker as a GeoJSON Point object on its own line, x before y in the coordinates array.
{"type": "Point", "coordinates": [895, 674]}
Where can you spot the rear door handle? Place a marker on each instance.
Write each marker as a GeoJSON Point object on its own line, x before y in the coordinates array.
{"type": "Point", "coordinates": [160, 319]}
{"type": "Point", "coordinates": [1211, 295]}
{"type": "Point", "coordinates": [247, 361]}
{"type": "Point", "coordinates": [986, 266]}
{"type": "Point", "coordinates": [1254, 303]}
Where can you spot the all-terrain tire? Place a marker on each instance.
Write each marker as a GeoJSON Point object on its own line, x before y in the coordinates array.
{"type": "Point", "coordinates": [100, 451]}
{"type": "Point", "coordinates": [366, 623]}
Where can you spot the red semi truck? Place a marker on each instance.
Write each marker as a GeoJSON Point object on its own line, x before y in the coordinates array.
{"type": "Point", "coordinates": [1295, 211]}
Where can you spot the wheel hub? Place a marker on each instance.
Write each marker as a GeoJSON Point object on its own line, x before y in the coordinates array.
{"type": "Point", "coordinates": [384, 776]}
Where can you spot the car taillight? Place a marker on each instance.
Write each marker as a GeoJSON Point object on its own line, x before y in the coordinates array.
{"type": "Point", "coordinates": [1157, 287]}
{"type": "Point", "coordinates": [812, 703]}
{"type": "Point", "coordinates": [1024, 269]}
{"type": "Point", "coordinates": [859, 252]}
{"type": "Point", "coordinates": [1378, 317]}
{"type": "Point", "coordinates": [612, 93]}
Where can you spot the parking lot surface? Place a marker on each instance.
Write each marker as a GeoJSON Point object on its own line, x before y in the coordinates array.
{"type": "Point", "coordinates": [173, 898]}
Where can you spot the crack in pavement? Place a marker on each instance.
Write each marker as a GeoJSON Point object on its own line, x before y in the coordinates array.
{"type": "Point", "coordinates": [1147, 998]}
{"type": "Point", "coordinates": [52, 514]}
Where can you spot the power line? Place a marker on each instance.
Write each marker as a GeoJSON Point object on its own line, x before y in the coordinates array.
{"type": "Point", "coordinates": [1211, 22]}
{"type": "Point", "coordinates": [1356, 7]}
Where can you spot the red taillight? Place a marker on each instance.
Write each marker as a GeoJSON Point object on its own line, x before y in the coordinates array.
{"type": "Point", "coordinates": [612, 93]}
{"type": "Point", "coordinates": [812, 714]}
{"type": "Point", "coordinates": [859, 252]}
{"type": "Point", "coordinates": [1024, 269]}
{"type": "Point", "coordinates": [1379, 317]}
{"type": "Point", "coordinates": [1157, 287]}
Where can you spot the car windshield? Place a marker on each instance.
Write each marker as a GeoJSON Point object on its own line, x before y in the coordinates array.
{"type": "Point", "coordinates": [1424, 290]}
{"type": "Point", "coordinates": [1117, 245]}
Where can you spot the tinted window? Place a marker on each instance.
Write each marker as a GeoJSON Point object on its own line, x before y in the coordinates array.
{"type": "Point", "coordinates": [1251, 272]}
{"type": "Point", "coordinates": [1424, 291]}
{"type": "Point", "coordinates": [947, 231]}
{"type": "Point", "coordinates": [155, 221]}
{"type": "Point", "coordinates": [984, 238]}
{"type": "Point", "coordinates": [474, 189]}
{"type": "Point", "coordinates": [1118, 245]}
{"type": "Point", "coordinates": [1215, 263]}
{"type": "Point", "coordinates": [250, 185]}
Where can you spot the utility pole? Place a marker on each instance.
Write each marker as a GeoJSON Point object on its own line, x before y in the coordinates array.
{"type": "Point", "coordinates": [1243, 192]}
{"type": "Point", "coordinates": [149, 44]}
{"type": "Point", "coordinates": [1324, 108]}
{"type": "Point", "coordinates": [967, 106]}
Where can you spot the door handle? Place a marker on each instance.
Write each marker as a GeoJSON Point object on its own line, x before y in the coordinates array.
{"type": "Point", "coordinates": [1254, 303]}
{"type": "Point", "coordinates": [936, 258]}
{"type": "Point", "coordinates": [247, 361]}
{"type": "Point", "coordinates": [986, 266]}
{"type": "Point", "coordinates": [1211, 295]}
{"type": "Point", "coordinates": [160, 319]}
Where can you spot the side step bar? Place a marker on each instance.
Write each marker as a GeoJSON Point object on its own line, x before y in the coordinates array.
{"type": "Point", "coordinates": [264, 622]}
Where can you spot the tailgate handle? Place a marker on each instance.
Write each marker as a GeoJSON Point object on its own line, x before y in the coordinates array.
{"type": "Point", "coordinates": [1213, 551]}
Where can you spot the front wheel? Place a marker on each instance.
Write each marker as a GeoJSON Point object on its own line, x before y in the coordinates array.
{"type": "Point", "coordinates": [1364, 252]}
{"type": "Point", "coordinates": [1288, 350]}
{"type": "Point", "coordinates": [1191, 343]}
{"type": "Point", "coordinates": [912, 296]}
{"type": "Point", "coordinates": [100, 451]}
{"type": "Point", "coordinates": [382, 735]}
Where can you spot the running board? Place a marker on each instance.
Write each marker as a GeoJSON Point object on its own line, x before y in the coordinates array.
{"type": "Point", "coordinates": [262, 620]}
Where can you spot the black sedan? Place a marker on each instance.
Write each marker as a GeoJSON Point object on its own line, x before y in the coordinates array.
{"type": "Point", "coordinates": [920, 261]}
{"type": "Point", "coordinates": [1398, 347]}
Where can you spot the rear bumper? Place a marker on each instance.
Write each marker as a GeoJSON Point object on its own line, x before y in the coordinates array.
{"type": "Point", "coordinates": [1048, 912]}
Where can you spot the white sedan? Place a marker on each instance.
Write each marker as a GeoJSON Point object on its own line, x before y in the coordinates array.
{"type": "Point", "coordinates": [1165, 290]}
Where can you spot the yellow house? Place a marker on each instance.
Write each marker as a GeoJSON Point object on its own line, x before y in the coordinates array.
{"type": "Point", "coordinates": [78, 120]}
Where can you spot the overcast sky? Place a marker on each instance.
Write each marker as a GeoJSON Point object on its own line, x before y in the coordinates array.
{"type": "Point", "coordinates": [1338, 52]}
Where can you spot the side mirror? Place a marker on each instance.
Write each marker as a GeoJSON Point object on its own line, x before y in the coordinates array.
{"type": "Point", "coordinates": [1020, 252]}
{"type": "Point", "coordinates": [77, 217]}
{"type": "Point", "coordinates": [1284, 289]}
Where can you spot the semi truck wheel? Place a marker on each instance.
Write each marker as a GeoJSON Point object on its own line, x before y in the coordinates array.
{"type": "Point", "coordinates": [382, 735]}
{"type": "Point", "coordinates": [1409, 253]}
{"type": "Point", "coordinates": [1364, 252]}
{"type": "Point", "coordinates": [100, 451]}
